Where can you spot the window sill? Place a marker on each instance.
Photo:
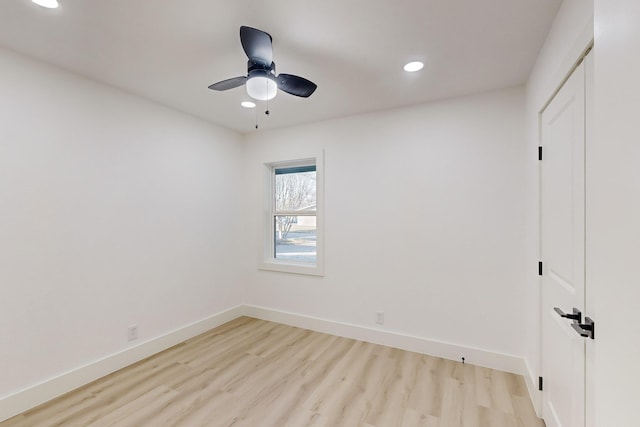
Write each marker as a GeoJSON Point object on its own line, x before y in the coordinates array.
{"type": "Point", "coordinates": [283, 267]}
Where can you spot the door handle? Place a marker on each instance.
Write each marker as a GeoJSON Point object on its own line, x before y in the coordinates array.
{"type": "Point", "coordinates": [576, 315]}
{"type": "Point", "coordinates": [587, 329]}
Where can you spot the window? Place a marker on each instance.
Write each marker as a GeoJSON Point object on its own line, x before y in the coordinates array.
{"type": "Point", "coordinates": [293, 239]}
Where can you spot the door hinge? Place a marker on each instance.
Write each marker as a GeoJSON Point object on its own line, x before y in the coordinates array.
{"type": "Point", "coordinates": [540, 383]}
{"type": "Point", "coordinates": [539, 268]}
{"type": "Point", "coordinates": [540, 152]}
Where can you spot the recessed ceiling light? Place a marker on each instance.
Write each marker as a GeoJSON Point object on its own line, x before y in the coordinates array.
{"type": "Point", "coordinates": [414, 66]}
{"type": "Point", "coordinates": [49, 4]}
{"type": "Point", "coordinates": [248, 104]}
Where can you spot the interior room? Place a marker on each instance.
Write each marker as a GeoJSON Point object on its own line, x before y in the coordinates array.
{"type": "Point", "coordinates": [478, 213]}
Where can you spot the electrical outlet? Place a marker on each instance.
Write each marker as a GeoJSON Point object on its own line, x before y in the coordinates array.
{"type": "Point", "coordinates": [380, 317]}
{"type": "Point", "coordinates": [132, 332]}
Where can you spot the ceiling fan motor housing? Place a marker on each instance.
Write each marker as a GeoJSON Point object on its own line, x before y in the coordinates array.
{"type": "Point", "coordinates": [253, 65]}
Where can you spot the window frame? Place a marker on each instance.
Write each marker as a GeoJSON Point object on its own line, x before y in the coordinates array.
{"type": "Point", "coordinates": [267, 256]}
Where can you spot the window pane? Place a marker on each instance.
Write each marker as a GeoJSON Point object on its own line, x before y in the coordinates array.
{"type": "Point", "coordinates": [295, 169]}
{"type": "Point", "coordinates": [295, 238]}
{"type": "Point", "coordinates": [295, 191]}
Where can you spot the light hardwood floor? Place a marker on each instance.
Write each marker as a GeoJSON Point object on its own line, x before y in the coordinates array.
{"type": "Point", "coordinates": [254, 373]}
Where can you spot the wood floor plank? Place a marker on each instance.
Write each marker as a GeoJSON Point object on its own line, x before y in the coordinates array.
{"type": "Point", "coordinates": [254, 373]}
{"type": "Point", "coordinates": [15, 422]}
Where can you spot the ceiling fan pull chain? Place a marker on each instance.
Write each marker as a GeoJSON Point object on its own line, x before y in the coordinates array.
{"type": "Point", "coordinates": [267, 111]}
{"type": "Point", "coordinates": [256, 118]}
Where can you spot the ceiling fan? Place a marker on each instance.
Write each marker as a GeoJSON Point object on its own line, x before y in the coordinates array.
{"type": "Point", "coordinates": [261, 80]}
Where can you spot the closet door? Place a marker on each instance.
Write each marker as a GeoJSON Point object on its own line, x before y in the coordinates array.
{"type": "Point", "coordinates": [562, 212]}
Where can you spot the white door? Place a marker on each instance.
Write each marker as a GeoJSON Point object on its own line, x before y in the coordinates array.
{"type": "Point", "coordinates": [562, 212]}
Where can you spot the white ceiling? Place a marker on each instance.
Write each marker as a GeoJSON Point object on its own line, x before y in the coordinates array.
{"type": "Point", "coordinates": [169, 51]}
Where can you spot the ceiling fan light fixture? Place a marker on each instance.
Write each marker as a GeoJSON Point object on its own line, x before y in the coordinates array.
{"type": "Point", "coordinates": [413, 66]}
{"type": "Point", "coordinates": [49, 4]}
{"type": "Point", "coordinates": [261, 88]}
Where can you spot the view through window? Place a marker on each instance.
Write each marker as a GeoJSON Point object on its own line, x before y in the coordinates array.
{"type": "Point", "coordinates": [294, 214]}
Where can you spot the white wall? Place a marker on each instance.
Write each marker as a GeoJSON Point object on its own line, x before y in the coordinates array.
{"type": "Point", "coordinates": [114, 211]}
{"type": "Point", "coordinates": [424, 220]}
{"type": "Point", "coordinates": [613, 212]}
{"type": "Point", "coordinates": [571, 33]}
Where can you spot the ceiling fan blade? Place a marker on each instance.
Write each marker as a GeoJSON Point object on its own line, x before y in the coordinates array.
{"type": "Point", "coordinates": [229, 83]}
{"type": "Point", "coordinates": [257, 45]}
{"type": "Point", "coordinates": [296, 85]}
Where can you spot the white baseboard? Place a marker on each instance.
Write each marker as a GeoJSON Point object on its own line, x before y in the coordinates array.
{"type": "Point", "coordinates": [488, 359]}
{"type": "Point", "coordinates": [33, 396]}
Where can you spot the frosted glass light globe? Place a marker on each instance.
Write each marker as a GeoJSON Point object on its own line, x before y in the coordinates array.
{"type": "Point", "coordinates": [262, 88]}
